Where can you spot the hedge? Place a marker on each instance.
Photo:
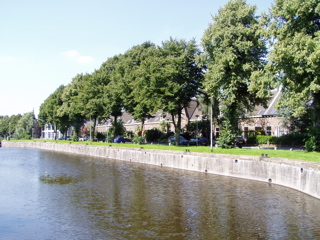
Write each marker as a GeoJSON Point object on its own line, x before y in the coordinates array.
{"type": "Point", "coordinates": [290, 139]}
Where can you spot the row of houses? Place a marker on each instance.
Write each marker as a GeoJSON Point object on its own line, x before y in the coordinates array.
{"type": "Point", "coordinates": [261, 119]}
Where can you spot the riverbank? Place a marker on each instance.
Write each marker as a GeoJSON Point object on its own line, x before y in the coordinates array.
{"type": "Point", "coordinates": [299, 175]}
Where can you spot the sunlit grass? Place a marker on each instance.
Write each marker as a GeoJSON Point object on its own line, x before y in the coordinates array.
{"type": "Point", "coordinates": [298, 155]}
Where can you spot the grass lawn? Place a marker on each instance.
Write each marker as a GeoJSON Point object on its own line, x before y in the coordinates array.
{"type": "Point", "coordinates": [298, 155]}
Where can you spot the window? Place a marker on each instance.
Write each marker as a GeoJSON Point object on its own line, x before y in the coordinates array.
{"type": "Point", "coordinates": [269, 131]}
{"type": "Point", "coordinates": [257, 130]}
{"type": "Point", "coordinates": [217, 132]}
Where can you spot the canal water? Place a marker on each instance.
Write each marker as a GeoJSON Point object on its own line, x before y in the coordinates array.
{"type": "Point", "coordinates": [49, 195]}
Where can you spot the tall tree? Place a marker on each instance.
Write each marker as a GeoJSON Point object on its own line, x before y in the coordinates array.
{"type": "Point", "coordinates": [8, 124]}
{"type": "Point", "coordinates": [91, 94]}
{"type": "Point", "coordinates": [179, 79]}
{"type": "Point", "coordinates": [235, 51]}
{"type": "Point", "coordinates": [137, 89]}
{"type": "Point", "coordinates": [113, 73]}
{"type": "Point", "coordinates": [71, 108]}
{"type": "Point", "coordinates": [24, 126]}
{"type": "Point", "coordinates": [295, 58]}
{"type": "Point", "coordinates": [49, 109]}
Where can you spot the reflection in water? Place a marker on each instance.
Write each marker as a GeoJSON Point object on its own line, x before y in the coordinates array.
{"type": "Point", "coordinates": [61, 179]}
{"type": "Point", "coordinates": [108, 199]}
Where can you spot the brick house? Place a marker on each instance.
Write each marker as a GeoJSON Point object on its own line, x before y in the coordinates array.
{"type": "Point", "coordinates": [261, 119]}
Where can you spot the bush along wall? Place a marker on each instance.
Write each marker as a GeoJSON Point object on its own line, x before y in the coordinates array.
{"type": "Point", "coordinates": [289, 140]}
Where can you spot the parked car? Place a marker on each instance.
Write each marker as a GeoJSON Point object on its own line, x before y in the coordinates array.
{"type": "Point", "coordinates": [119, 140]}
{"type": "Point", "coordinates": [200, 141]}
{"type": "Point", "coordinates": [182, 141]}
{"type": "Point", "coordinates": [240, 141]}
{"type": "Point", "coordinates": [85, 138]}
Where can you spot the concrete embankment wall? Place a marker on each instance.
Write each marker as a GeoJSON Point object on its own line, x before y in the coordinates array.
{"type": "Point", "coordinates": [300, 175]}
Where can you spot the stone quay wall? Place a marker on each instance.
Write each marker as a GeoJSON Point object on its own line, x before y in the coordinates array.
{"type": "Point", "coordinates": [299, 175]}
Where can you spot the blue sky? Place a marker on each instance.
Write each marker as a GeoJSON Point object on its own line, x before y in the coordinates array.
{"type": "Point", "coordinates": [45, 43]}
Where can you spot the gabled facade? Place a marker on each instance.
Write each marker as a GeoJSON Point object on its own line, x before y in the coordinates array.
{"type": "Point", "coordinates": [261, 119]}
{"type": "Point", "coordinates": [48, 132]}
{"type": "Point", "coordinates": [191, 113]}
{"type": "Point", "coordinates": [265, 119]}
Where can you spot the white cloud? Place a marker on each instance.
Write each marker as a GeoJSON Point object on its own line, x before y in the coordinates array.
{"type": "Point", "coordinates": [71, 53]}
{"type": "Point", "coordinates": [76, 56]}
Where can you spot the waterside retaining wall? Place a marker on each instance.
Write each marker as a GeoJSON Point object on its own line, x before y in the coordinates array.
{"type": "Point", "coordinates": [300, 175]}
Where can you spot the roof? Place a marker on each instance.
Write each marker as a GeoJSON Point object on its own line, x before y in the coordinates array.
{"type": "Point", "coordinates": [260, 111]}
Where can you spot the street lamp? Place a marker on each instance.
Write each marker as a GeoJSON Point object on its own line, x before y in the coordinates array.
{"type": "Point", "coordinates": [211, 134]}
{"type": "Point", "coordinates": [90, 130]}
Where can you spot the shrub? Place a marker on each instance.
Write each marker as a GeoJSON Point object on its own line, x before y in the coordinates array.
{"type": "Point", "coordinates": [313, 141]}
{"type": "Point", "coordinates": [290, 139]}
{"type": "Point", "coordinates": [100, 136]}
{"type": "Point", "coordinates": [75, 138]}
{"type": "Point", "coordinates": [252, 140]}
{"type": "Point", "coordinates": [293, 138]}
{"type": "Point", "coordinates": [153, 135]}
{"type": "Point", "coordinates": [138, 139]}
{"type": "Point", "coordinates": [227, 137]}
{"type": "Point", "coordinates": [262, 139]}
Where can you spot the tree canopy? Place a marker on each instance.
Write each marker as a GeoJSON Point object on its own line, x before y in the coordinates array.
{"type": "Point", "coordinates": [235, 51]}
{"type": "Point", "coordinates": [295, 56]}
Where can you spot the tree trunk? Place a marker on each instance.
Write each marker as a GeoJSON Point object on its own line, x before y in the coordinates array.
{"type": "Point", "coordinates": [115, 126]}
{"type": "Point", "coordinates": [178, 127]}
{"type": "Point", "coordinates": [142, 125]}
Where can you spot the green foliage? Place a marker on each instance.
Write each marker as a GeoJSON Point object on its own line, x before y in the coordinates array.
{"type": "Point", "coordinates": [138, 139]}
{"type": "Point", "coordinates": [236, 52]}
{"type": "Point", "coordinates": [117, 129]}
{"type": "Point", "coordinates": [8, 124]}
{"type": "Point", "coordinates": [203, 128]}
{"type": "Point", "coordinates": [49, 110]}
{"type": "Point", "coordinates": [292, 139]}
{"type": "Point", "coordinates": [263, 139]}
{"type": "Point", "coordinates": [294, 59]}
{"type": "Point", "coordinates": [100, 136]}
{"type": "Point", "coordinates": [313, 141]}
{"type": "Point", "coordinates": [153, 135]}
{"type": "Point", "coordinates": [227, 136]}
{"type": "Point", "coordinates": [75, 138]}
{"type": "Point", "coordinates": [24, 126]}
{"type": "Point", "coordinates": [114, 87]}
{"type": "Point", "coordinates": [71, 107]}
{"type": "Point", "coordinates": [289, 139]}
{"type": "Point", "coordinates": [136, 89]}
